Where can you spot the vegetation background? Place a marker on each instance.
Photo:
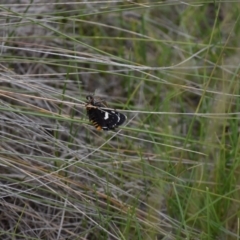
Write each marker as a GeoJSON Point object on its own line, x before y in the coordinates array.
{"type": "Point", "coordinates": [172, 172]}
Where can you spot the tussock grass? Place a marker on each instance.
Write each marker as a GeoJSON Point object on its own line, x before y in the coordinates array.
{"type": "Point", "coordinates": [171, 172]}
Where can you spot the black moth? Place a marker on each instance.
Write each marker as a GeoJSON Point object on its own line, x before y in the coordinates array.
{"type": "Point", "coordinates": [102, 118]}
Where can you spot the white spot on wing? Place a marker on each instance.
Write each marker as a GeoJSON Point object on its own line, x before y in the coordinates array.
{"type": "Point", "coordinates": [116, 114]}
{"type": "Point", "coordinates": [106, 116]}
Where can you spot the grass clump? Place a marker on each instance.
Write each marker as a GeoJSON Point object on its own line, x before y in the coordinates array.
{"type": "Point", "coordinates": [171, 172]}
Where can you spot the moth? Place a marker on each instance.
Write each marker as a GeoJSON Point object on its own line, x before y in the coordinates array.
{"type": "Point", "coordinates": [101, 116]}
